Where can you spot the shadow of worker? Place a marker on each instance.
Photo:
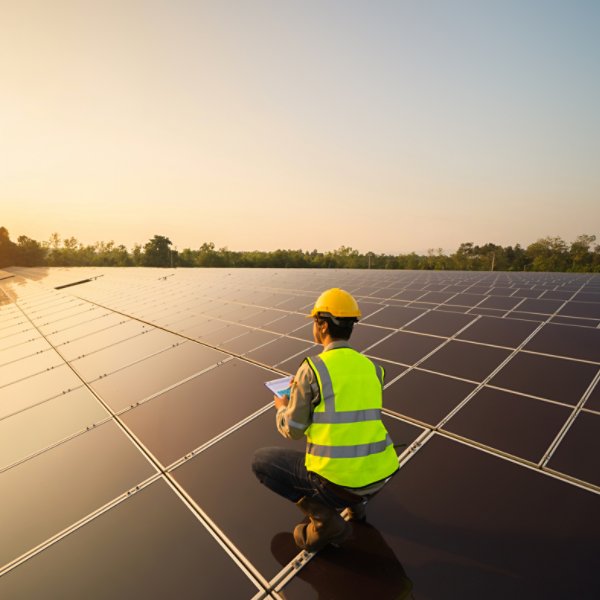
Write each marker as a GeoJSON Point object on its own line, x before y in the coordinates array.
{"type": "Point", "coordinates": [365, 566]}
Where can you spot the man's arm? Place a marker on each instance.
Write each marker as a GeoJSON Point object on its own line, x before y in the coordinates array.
{"type": "Point", "coordinates": [294, 414]}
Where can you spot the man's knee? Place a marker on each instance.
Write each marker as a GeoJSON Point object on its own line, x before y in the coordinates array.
{"type": "Point", "coordinates": [263, 457]}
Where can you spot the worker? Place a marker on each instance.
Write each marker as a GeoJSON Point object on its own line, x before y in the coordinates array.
{"type": "Point", "coordinates": [335, 400]}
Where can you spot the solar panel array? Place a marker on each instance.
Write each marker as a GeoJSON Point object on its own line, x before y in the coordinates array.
{"type": "Point", "coordinates": [131, 405]}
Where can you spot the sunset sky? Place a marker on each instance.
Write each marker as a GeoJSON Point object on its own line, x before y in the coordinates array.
{"type": "Point", "coordinates": [389, 126]}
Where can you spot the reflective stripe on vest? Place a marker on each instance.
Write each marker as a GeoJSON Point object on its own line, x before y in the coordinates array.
{"type": "Point", "coordinates": [347, 442]}
{"type": "Point", "coordinates": [349, 451]}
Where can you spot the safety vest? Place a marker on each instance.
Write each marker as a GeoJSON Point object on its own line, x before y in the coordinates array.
{"type": "Point", "coordinates": [346, 442]}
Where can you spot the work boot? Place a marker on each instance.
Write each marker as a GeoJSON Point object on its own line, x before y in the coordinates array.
{"type": "Point", "coordinates": [324, 527]}
{"type": "Point", "coordinates": [357, 512]}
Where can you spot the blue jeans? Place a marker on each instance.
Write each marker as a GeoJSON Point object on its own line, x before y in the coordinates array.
{"type": "Point", "coordinates": [283, 471]}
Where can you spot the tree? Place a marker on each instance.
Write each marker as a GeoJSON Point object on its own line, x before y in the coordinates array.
{"type": "Point", "coordinates": [7, 249]}
{"type": "Point", "coordinates": [548, 254]}
{"type": "Point", "coordinates": [157, 252]}
{"type": "Point", "coordinates": [580, 253]}
{"type": "Point", "coordinates": [30, 253]}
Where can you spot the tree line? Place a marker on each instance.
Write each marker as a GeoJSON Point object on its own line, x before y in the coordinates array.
{"type": "Point", "coordinates": [546, 254]}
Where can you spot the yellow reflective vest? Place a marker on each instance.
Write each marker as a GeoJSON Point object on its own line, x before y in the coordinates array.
{"type": "Point", "coordinates": [347, 442]}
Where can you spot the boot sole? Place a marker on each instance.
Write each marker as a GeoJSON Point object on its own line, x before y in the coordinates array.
{"type": "Point", "coordinates": [336, 542]}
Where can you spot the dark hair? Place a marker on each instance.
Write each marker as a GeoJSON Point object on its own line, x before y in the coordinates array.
{"type": "Point", "coordinates": [342, 330]}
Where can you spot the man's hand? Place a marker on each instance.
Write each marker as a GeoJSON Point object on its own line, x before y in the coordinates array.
{"type": "Point", "coordinates": [279, 402]}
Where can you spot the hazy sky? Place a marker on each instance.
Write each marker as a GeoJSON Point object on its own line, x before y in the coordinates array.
{"type": "Point", "coordinates": [385, 126]}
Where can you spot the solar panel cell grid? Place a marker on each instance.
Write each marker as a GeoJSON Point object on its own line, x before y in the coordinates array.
{"type": "Point", "coordinates": [405, 347]}
{"type": "Point", "coordinates": [149, 546]}
{"type": "Point", "coordinates": [201, 413]}
{"type": "Point", "coordinates": [426, 397]}
{"type": "Point", "coordinates": [514, 424]}
{"type": "Point", "coordinates": [55, 489]}
{"type": "Point", "coordinates": [556, 379]}
{"type": "Point", "coordinates": [578, 455]}
{"type": "Point", "coordinates": [593, 401]}
{"type": "Point", "coordinates": [467, 360]}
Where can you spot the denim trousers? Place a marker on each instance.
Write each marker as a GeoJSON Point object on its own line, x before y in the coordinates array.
{"type": "Point", "coordinates": [283, 471]}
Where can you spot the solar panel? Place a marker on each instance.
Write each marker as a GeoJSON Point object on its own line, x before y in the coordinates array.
{"type": "Point", "coordinates": [131, 405]}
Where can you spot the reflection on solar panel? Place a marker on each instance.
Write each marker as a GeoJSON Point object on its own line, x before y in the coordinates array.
{"type": "Point", "coordinates": [131, 404]}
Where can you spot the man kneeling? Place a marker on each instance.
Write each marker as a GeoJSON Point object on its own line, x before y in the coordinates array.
{"type": "Point", "coordinates": [335, 400]}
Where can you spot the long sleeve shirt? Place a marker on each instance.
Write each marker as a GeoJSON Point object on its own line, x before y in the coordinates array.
{"type": "Point", "coordinates": [293, 420]}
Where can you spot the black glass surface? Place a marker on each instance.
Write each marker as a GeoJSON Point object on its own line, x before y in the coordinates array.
{"type": "Point", "coordinates": [502, 291]}
{"type": "Point", "coordinates": [23, 336]}
{"type": "Point", "coordinates": [593, 401]}
{"type": "Point", "coordinates": [28, 366]}
{"type": "Point", "coordinates": [364, 336]}
{"type": "Point", "coordinates": [297, 303]}
{"type": "Point", "coordinates": [252, 514]}
{"type": "Point", "coordinates": [304, 333]}
{"type": "Point", "coordinates": [291, 364]}
{"type": "Point", "coordinates": [204, 328]}
{"type": "Point", "coordinates": [53, 490]}
{"type": "Point", "coordinates": [425, 396]}
{"type": "Point", "coordinates": [87, 328]}
{"type": "Point", "coordinates": [499, 302]}
{"type": "Point", "coordinates": [131, 384]}
{"type": "Point", "coordinates": [488, 312]}
{"type": "Point", "coordinates": [403, 434]}
{"type": "Point", "coordinates": [440, 323]}
{"type": "Point", "coordinates": [405, 347]}
{"type": "Point", "coordinates": [498, 332]}
{"type": "Point", "coordinates": [562, 340]}
{"type": "Point", "coordinates": [578, 321]}
{"type": "Point", "coordinates": [365, 562]}
{"type": "Point", "coordinates": [286, 323]}
{"type": "Point", "coordinates": [78, 319]}
{"type": "Point", "coordinates": [367, 308]}
{"type": "Point", "coordinates": [260, 317]}
{"type": "Point", "coordinates": [578, 454]}
{"type": "Point", "coordinates": [240, 313]}
{"type": "Point", "coordinates": [462, 359]}
{"type": "Point", "coordinates": [465, 300]}
{"type": "Point", "coordinates": [106, 337]}
{"type": "Point", "coordinates": [278, 351]}
{"type": "Point", "coordinates": [393, 316]}
{"type": "Point", "coordinates": [27, 392]}
{"type": "Point", "coordinates": [192, 413]}
{"type": "Point", "coordinates": [59, 313]}
{"type": "Point", "coordinates": [28, 348]}
{"type": "Point", "coordinates": [465, 524]}
{"type": "Point", "coordinates": [248, 341]}
{"type": "Point", "coordinates": [391, 370]}
{"type": "Point", "coordinates": [452, 309]}
{"type": "Point", "coordinates": [588, 310]}
{"type": "Point", "coordinates": [149, 546]}
{"type": "Point", "coordinates": [116, 356]}
{"type": "Point", "coordinates": [408, 295]}
{"type": "Point", "coordinates": [14, 329]}
{"type": "Point", "coordinates": [518, 314]}
{"type": "Point", "coordinates": [224, 334]}
{"type": "Point", "coordinates": [528, 293]}
{"type": "Point", "coordinates": [436, 297]}
{"type": "Point", "coordinates": [514, 424]}
{"type": "Point", "coordinates": [556, 295]}
{"type": "Point", "coordinates": [553, 378]}
{"type": "Point", "coordinates": [589, 296]}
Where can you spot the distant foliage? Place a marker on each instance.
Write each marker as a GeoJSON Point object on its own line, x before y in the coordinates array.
{"type": "Point", "coordinates": [547, 254]}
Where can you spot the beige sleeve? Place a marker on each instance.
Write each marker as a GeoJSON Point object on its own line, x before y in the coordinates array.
{"type": "Point", "coordinates": [294, 419]}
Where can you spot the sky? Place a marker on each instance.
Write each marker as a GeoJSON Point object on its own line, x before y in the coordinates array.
{"type": "Point", "coordinates": [386, 126]}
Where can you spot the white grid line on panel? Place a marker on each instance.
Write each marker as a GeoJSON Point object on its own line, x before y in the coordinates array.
{"type": "Point", "coordinates": [563, 432]}
{"type": "Point", "coordinates": [155, 463]}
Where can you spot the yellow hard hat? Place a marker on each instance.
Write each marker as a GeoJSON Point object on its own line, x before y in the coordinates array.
{"type": "Point", "coordinates": [338, 303]}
